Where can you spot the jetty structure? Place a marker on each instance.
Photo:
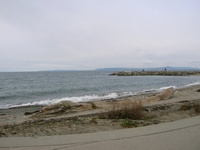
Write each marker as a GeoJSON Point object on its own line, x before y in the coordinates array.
{"type": "Point", "coordinates": [156, 73]}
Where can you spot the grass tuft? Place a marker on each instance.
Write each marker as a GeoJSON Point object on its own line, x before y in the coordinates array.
{"type": "Point", "coordinates": [93, 105]}
{"type": "Point", "coordinates": [185, 107]}
{"type": "Point", "coordinates": [197, 108]}
{"type": "Point", "coordinates": [93, 120]}
{"type": "Point", "coordinates": [127, 123]}
{"type": "Point", "coordinates": [126, 110]}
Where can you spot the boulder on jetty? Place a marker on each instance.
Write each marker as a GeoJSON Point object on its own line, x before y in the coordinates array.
{"type": "Point", "coordinates": [155, 73]}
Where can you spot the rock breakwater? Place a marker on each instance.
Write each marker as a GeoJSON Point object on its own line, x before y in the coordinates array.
{"type": "Point", "coordinates": [155, 73]}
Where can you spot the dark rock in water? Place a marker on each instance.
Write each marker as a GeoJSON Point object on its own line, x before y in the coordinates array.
{"type": "Point", "coordinates": [198, 90]}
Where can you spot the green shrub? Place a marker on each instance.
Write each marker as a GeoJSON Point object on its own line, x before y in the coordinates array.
{"type": "Point", "coordinates": [127, 123]}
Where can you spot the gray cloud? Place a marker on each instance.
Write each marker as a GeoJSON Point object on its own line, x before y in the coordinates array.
{"type": "Point", "coordinates": [76, 34]}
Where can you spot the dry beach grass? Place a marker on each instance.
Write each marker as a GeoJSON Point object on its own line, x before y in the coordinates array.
{"type": "Point", "coordinates": [76, 118]}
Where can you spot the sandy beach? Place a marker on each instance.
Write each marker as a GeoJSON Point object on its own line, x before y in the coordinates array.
{"type": "Point", "coordinates": [76, 118]}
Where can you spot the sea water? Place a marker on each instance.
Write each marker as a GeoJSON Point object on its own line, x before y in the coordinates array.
{"type": "Point", "coordinates": [45, 88]}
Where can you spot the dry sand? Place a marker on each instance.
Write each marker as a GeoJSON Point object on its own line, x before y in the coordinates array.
{"type": "Point", "coordinates": [87, 117]}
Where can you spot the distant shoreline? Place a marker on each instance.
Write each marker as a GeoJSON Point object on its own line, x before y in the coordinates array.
{"type": "Point", "coordinates": [156, 73]}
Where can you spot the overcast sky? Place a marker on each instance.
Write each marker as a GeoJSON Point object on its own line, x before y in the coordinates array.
{"type": "Point", "coordinates": [89, 34]}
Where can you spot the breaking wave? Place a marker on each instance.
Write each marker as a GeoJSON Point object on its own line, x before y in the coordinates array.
{"type": "Point", "coordinates": [85, 98]}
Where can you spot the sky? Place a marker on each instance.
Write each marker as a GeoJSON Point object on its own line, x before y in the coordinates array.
{"type": "Point", "coordinates": [88, 34]}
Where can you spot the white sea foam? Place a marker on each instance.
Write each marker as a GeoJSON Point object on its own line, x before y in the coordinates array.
{"type": "Point", "coordinates": [94, 97]}
{"type": "Point", "coordinates": [156, 90]}
{"type": "Point", "coordinates": [166, 87]}
{"type": "Point", "coordinates": [85, 98]}
{"type": "Point", "coordinates": [192, 84]}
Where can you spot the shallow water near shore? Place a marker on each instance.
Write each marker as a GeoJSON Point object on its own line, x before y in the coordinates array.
{"type": "Point", "coordinates": [44, 88]}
